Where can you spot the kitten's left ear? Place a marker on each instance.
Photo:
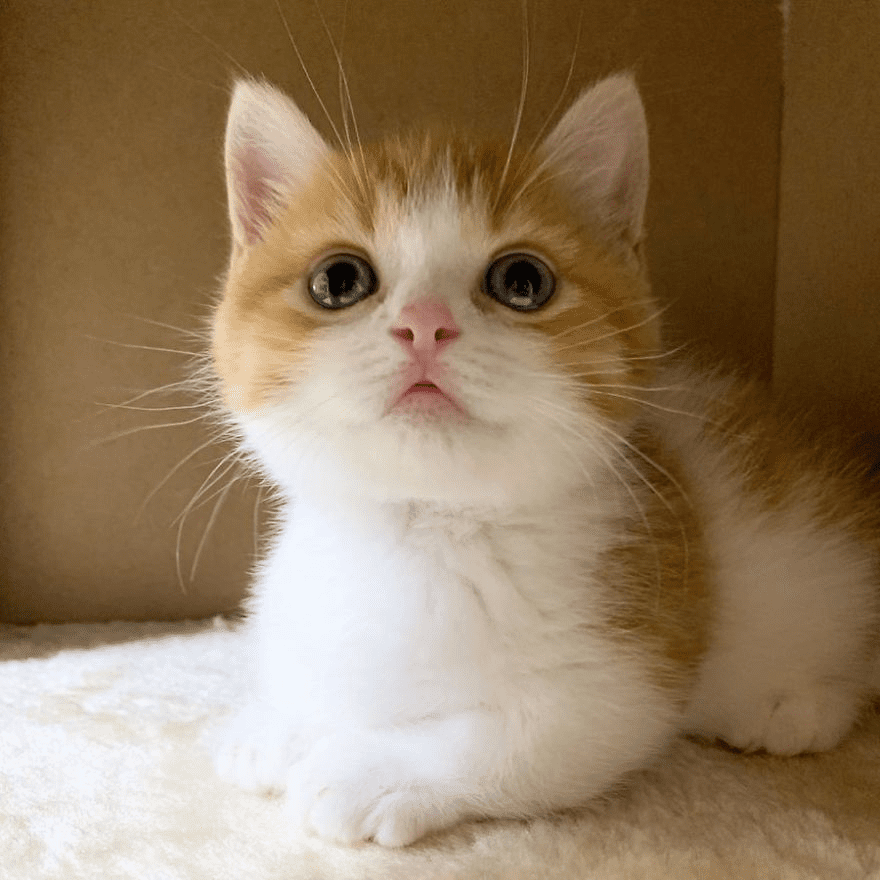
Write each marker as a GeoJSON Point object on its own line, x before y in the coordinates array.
{"type": "Point", "coordinates": [271, 150]}
{"type": "Point", "coordinates": [600, 149]}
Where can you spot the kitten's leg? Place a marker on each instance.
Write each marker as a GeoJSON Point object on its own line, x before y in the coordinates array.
{"type": "Point", "coordinates": [392, 785]}
{"type": "Point", "coordinates": [789, 667]}
{"type": "Point", "coordinates": [396, 784]}
{"type": "Point", "coordinates": [256, 748]}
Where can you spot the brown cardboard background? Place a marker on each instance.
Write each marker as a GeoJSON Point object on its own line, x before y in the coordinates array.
{"type": "Point", "coordinates": [112, 210]}
{"type": "Point", "coordinates": [827, 332]}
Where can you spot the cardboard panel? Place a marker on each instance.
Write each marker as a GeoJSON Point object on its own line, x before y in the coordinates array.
{"type": "Point", "coordinates": [113, 226]}
{"type": "Point", "coordinates": [827, 345]}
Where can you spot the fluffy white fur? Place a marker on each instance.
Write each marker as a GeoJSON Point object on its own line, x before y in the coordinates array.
{"type": "Point", "coordinates": [428, 628]}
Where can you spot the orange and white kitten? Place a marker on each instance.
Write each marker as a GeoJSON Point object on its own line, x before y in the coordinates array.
{"type": "Point", "coordinates": [518, 551]}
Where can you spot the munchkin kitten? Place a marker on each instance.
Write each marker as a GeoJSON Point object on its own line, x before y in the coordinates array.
{"type": "Point", "coordinates": [519, 547]}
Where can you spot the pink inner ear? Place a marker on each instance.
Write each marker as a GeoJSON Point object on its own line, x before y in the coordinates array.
{"type": "Point", "coordinates": [256, 183]}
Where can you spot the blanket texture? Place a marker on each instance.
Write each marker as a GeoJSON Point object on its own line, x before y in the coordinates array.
{"type": "Point", "coordinates": [105, 773]}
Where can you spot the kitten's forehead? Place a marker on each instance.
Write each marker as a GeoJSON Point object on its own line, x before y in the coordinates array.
{"type": "Point", "coordinates": [435, 230]}
{"type": "Point", "coordinates": [429, 179]}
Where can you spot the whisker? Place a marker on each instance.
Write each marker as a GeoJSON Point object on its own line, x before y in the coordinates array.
{"type": "Point", "coordinates": [170, 474]}
{"type": "Point", "coordinates": [141, 347]}
{"type": "Point", "coordinates": [685, 545]}
{"type": "Point", "coordinates": [152, 408]}
{"type": "Point", "coordinates": [220, 469]}
{"type": "Point", "coordinates": [667, 409]}
{"type": "Point", "coordinates": [607, 314]}
{"type": "Point", "coordinates": [541, 172]}
{"type": "Point", "coordinates": [256, 519]}
{"type": "Point", "coordinates": [130, 431]}
{"type": "Point", "coordinates": [625, 385]}
{"type": "Point", "coordinates": [193, 79]}
{"type": "Point", "coordinates": [162, 389]}
{"type": "Point", "coordinates": [541, 405]}
{"type": "Point", "coordinates": [526, 49]}
{"type": "Point", "coordinates": [308, 76]}
{"type": "Point", "coordinates": [341, 183]}
{"type": "Point", "coordinates": [225, 465]}
{"type": "Point", "coordinates": [210, 524]}
{"type": "Point", "coordinates": [213, 43]}
{"type": "Point", "coordinates": [343, 79]}
{"type": "Point", "coordinates": [199, 335]}
{"type": "Point", "coordinates": [617, 331]}
{"type": "Point", "coordinates": [650, 461]}
{"type": "Point", "coordinates": [565, 85]}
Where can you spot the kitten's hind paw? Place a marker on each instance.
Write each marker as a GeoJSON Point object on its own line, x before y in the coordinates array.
{"type": "Point", "coordinates": [256, 749]}
{"type": "Point", "coordinates": [812, 719]}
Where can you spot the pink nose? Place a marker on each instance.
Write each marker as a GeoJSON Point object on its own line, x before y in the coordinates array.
{"type": "Point", "coordinates": [425, 326]}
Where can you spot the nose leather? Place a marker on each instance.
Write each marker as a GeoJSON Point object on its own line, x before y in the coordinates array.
{"type": "Point", "coordinates": [424, 327]}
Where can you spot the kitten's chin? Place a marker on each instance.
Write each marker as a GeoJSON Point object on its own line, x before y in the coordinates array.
{"type": "Point", "coordinates": [425, 453]}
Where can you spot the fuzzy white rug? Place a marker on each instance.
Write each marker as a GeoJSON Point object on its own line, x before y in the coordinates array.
{"type": "Point", "coordinates": [104, 774]}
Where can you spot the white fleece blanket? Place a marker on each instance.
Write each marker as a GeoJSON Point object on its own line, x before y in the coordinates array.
{"type": "Point", "coordinates": [104, 773]}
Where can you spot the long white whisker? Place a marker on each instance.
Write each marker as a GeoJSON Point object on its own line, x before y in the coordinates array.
{"type": "Point", "coordinates": [343, 78]}
{"type": "Point", "coordinates": [151, 494]}
{"type": "Point", "coordinates": [213, 43]}
{"type": "Point", "coordinates": [565, 85]}
{"type": "Point", "coordinates": [126, 406]}
{"type": "Point", "coordinates": [230, 461]}
{"type": "Point", "coordinates": [256, 519]}
{"type": "Point", "coordinates": [209, 525]}
{"type": "Point", "coordinates": [624, 385]}
{"type": "Point", "coordinates": [650, 461]}
{"type": "Point", "coordinates": [191, 354]}
{"type": "Point", "coordinates": [119, 435]}
{"type": "Point", "coordinates": [162, 389]}
{"type": "Point", "coordinates": [667, 409]}
{"type": "Point", "coordinates": [522, 100]}
{"type": "Point", "coordinates": [667, 353]}
{"type": "Point", "coordinates": [340, 183]}
{"type": "Point", "coordinates": [198, 335]}
{"type": "Point", "coordinates": [684, 495]}
{"type": "Point", "coordinates": [308, 76]}
{"type": "Point", "coordinates": [617, 331]}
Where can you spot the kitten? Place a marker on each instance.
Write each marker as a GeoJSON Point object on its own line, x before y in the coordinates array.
{"type": "Point", "coordinates": [519, 550]}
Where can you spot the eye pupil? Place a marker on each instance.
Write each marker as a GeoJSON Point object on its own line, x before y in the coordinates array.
{"type": "Point", "coordinates": [520, 281]}
{"type": "Point", "coordinates": [522, 278]}
{"type": "Point", "coordinates": [341, 280]}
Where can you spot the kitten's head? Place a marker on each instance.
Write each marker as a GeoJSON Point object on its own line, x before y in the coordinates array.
{"type": "Point", "coordinates": [433, 318]}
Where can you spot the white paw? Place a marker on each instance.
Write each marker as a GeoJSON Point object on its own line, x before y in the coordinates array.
{"type": "Point", "coordinates": [256, 749]}
{"type": "Point", "coordinates": [356, 786]}
{"type": "Point", "coordinates": [809, 720]}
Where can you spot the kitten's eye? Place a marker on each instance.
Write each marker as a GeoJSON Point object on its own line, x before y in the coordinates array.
{"type": "Point", "coordinates": [341, 280]}
{"type": "Point", "coordinates": [520, 281]}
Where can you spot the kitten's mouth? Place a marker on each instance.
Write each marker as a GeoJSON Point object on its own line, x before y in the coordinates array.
{"type": "Point", "coordinates": [426, 398]}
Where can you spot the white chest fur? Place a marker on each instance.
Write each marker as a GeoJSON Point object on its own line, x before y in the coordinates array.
{"type": "Point", "coordinates": [391, 613]}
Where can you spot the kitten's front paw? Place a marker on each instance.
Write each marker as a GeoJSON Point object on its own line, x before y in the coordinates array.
{"type": "Point", "coordinates": [354, 787]}
{"type": "Point", "coordinates": [256, 749]}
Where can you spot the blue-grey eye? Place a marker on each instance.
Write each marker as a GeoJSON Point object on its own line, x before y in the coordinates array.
{"type": "Point", "coordinates": [341, 280]}
{"type": "Point", "coordinates": [520, 281]}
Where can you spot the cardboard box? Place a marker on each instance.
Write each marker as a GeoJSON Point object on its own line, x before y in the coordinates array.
{"type": "Point", "coordinates": [114, 233]}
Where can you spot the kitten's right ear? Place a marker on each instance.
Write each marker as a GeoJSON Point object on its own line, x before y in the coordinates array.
{"type": "Point", "coordinates": [271, 149]}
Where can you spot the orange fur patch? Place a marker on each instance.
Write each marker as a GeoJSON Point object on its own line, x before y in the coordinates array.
{"type": "Point", "coordinates": [663, 602]}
